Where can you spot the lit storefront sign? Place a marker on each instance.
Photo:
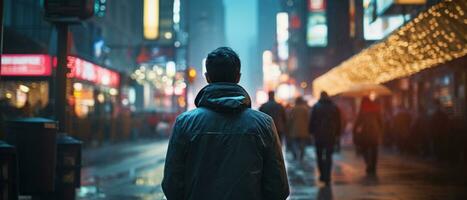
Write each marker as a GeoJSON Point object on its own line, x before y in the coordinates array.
{"type": "Point", "coordinates": [282, 35]}
{"type": "Point", "coordinates": [151, 19]}
{"type": "Point", "coordinates": [317, 29]}
{"type": "Point", "coordinates": [25, 65]}
{"type": "Point", "coordinates": [84, 70]}
{"type": "Point", "coordinates": [429, 40]}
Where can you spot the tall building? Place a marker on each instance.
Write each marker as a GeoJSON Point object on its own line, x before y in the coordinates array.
{"type": "Point", "coordinates": [24, 27]}
{"type": "Point", "coordinates": [328, 34]}
{"type": "Point", "coordinates": [319, 37]}
{"type": "Point", "coordinates": [266, 32]}
{"type": "Point", "coordinates": [206, 31]}
{"type": "Point", "coordinates": [108, 38]}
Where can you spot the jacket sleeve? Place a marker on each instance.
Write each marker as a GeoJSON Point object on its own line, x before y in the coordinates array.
{"type": "Point", "coordinates": [173, 183]}
{"type": "Point", "coordinates": [275, 185]}
{"type": "Point", "coordinates": [283, 115]}
{"type": "Point", "coordinates": [338, 123]}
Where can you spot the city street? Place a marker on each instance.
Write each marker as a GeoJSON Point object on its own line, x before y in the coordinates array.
{"type": "Point", "coordinates": [91, 89]}
{"type": "Point", "coordinates": [134, 171]}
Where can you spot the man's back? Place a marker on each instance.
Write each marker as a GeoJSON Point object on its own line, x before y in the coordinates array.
{"type": "Point", "coordinates": [277, 112]}
{"type": "Point", "coordinates": [224, 150]}
{"type": "Point", "coordinates": [325, 124]}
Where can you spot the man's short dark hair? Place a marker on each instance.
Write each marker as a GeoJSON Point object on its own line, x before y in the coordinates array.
{"type": "Point", "coordinates": [271, 95]}
{"type": "Point", "coordinates": [223, 65]}
{"type": "Point", "coordinates": [324, 94]}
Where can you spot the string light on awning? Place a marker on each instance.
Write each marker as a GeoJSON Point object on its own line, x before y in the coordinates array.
{"type": "Point", "coordinates": [435, 36]}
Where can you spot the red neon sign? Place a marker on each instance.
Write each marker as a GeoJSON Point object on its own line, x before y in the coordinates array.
{"type": "Point", "coordinates": [26, 65]}
{"type": "Point", "coordinates": [85, 70]}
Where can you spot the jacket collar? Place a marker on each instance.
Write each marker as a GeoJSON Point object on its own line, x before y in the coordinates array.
{"type": "Point", "coordinates": [223, 97]}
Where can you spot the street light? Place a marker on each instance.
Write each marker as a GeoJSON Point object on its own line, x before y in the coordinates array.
{"type": "Point", "coordinates": [191, 72]}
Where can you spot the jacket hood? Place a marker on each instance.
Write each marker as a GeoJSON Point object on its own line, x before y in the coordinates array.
{"type": "Point", "coordinates": [223, 97]}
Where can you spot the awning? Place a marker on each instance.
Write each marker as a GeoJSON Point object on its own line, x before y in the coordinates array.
{"type": "Point", "coordinates": [435, 36]}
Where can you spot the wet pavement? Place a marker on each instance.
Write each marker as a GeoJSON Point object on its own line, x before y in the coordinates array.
{"type": "Point", "coordinates": [134, 171]}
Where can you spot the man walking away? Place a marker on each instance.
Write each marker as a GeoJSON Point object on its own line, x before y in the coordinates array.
{"type": "Point", "coordinates": [325, 126]}
{"type": "Point", "coordinates": [298, 127]}
{"type": "Point", "coordinates": [277, 112]}
{"type": "Point", "coordinates": [223, 149]}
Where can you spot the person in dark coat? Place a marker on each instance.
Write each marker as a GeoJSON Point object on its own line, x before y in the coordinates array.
{"type": "Point", "coordinates": [401, 126]}
{"type": "Point", "coordinates": [325, 126]}
{"type": "Point", "coordinates": [223, 149]}
{"type": "Point", "coordinates": [368, 130]}
{"type": "Point", "coordinates": [439, 128]}
{"type": "Point", "coordinates": [277, 112]}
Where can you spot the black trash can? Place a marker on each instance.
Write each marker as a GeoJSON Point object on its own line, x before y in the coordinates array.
{"type": "Point", "coordinates": [35, 141]}
{"type": "Point", "coordinates": [68, 166]}
{"type": "Point", "coordinates": [8, 172]}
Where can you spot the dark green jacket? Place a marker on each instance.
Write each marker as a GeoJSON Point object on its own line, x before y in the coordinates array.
{"type": "Point", "coordinates": [224, 150]}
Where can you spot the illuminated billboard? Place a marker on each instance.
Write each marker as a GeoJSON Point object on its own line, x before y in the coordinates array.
{"type": "Point", "coordinates": [282, 35]}
{"type": "Point", "coordinates": [377, 27]}
{"type": "Point", "coordinates": [317, 29]}
{"type": "Point", "coordinates": [151, 19]}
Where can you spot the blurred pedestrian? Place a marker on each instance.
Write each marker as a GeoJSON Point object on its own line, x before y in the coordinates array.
{"type": "Point", "coordinates": [402, 121]}
{"type": "Point", "coordinates": [368, 130]}
{"type": "Point", "coordinates": [153, 122]}
{"type": "Point", "coordinates": [325, 126]}
{"type": "Point", "coordinates": [298, 128]}
{"type": "Point", "coordinates": [277, 112]}
{"type": "Point", "coordinates": [420, 133]}
{"type": "Point", "coordinates": [26, 110]}
{"type": "Point", "coordinates": [223, 149]}
{"type": "Point", "coordinates": [439, 126]}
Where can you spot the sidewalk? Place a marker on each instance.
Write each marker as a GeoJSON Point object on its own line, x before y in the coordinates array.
{"type": "Point", "coordinates": [398, 178]}
{"type": "Point", "coordinates": [134, 170]}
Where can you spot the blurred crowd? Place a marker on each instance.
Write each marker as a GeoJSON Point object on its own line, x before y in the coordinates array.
{"type": "Point", "coordinates": [428, 133]}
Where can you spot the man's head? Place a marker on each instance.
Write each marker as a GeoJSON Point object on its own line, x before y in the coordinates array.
{"type": "Point", "coordinates": [223, 65]}
{"type": "Point", "coordinates": [271, 95]}
{"type": "Point", "coordinates": [299, 101]}
{"type": "Point", "coordinates": [324, 95]}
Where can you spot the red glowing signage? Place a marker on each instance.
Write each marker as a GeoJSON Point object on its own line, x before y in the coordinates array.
{"type": "Point", "coordinates": [85, 70]}
{"type": "Point", "coordinates": [25, 65]}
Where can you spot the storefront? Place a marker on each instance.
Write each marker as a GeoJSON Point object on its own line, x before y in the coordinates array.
{"type": "Point", "coordinates": [93, 86]}
{"type": "Point", "coordinates": [93, 91]}
{"type": "Point", "coordinates": [445, 85]}
{"type": "Point", "coordinates": [94, 98]}
{"type": "Point", "coordinates": [26, 82]}
{"type": "Point", "coordinates": [426, 74]}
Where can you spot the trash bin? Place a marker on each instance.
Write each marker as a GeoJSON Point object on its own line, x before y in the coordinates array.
{"type": "Point", "coordinates": [68, 166]}
{"type": "Point", "coordinates": [8, 172]}
{"type": "Point", "coordinates": [35, 141]}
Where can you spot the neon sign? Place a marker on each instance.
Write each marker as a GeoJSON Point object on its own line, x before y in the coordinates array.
{"type": "Point", "coordinates": [26, 65]}
{"type": "Point", "coordinates": [85, 70]}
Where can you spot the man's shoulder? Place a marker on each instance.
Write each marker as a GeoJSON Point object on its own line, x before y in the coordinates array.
{"type": "Point", "coordinates": [247, 113]}
{"type": "Point", "coordinates": [191, 113]}
{"type": "Point", "coordinates": [255, 114]}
